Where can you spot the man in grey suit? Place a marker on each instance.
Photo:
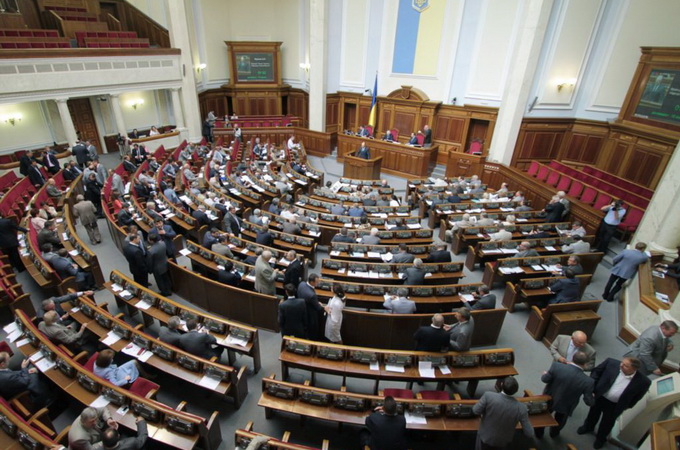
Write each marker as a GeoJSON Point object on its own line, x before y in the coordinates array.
{"type": "Point", "coordinates": [403, 256]}
{"type": "Point", "coordinates": [170, 334]}
{"type": "Point", "coordinates": [338, 209]}
{"type": "Point", "coordinates": [652, 347]}
{"type": "Point", "coordinates": [415, 275]}
{"type": "Point", "coordinates": [88, 426]}
{"type": "Point", "coordinates": [625, 266]}
{"type": "Point", "coordinates": [231, 222]}
{"type": "Point", "coordinates": [111, 438]}
{"type": "Point", "coordinates": [372, 238]}
{"type": "Point", "coordinates": [500, 413]}
{"type": "Point", "coordinates": [460, 333]}
{"type": "Point", "coordinates": [199, 343]}
{"type": "Point", "coordinates": [265, 276]}
{"type": "Point", "coordinates": [564, 347]}
{"type": "Point", "coordinates": [566, 383]}
{"type": "Point", "coordinates": [485, 300]}
{"type": "Point", "coordinates": [157, 261]}
{"type": "Point", "coordinates": [400, 304]}
{"type": "Point", "coordinates": [524, 249]}
{"type": "Point", "coordinates": [61, 334]}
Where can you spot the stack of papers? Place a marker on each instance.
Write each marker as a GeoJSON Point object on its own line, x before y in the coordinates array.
{"type": "Point", "coordinates": [209, 382]}
{"type": "Point", "coordinates": [550, 248]}
{"type": "Point", "coordinates": [185, 252]}
{"type": "Point", "coordinates": [373, 254]}
{"type": "Point", "coordinates": [445, 370]}
{"type": "Point", "coordinates": [467, 297]}
{"type": "Point", "coordinates": [100, 402]}
{"type": "Point", "coordinates": [110, 339]}
{"type": "Point", "coordinates": [413, 226]}
{"type": "Point", "coordinates": [509, 270]}
{"type": "Point", "coordinates": [44, 364]}
{"type": "Point", "coordinates": [551, 268]}
{"type": "Point", "coordinates": [394, 368]}
{"type": "Point", "coordinates": [143, 305]}
{"type": "Point", "coordinates": [232, 340]}
{"type": "Point", "coordinates": [414, 419]}
{"type": "Point", "coordinates": [425, 369]}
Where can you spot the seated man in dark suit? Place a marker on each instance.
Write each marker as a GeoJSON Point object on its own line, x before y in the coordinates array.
{"type": "Point", "coordinates": [342, 236]}
{"type": "Point", "coordinates": [229, 276]}
{"type": "Point", "coordinates": [199, 343]}
{"type": "Point", "coordinates": [49, 235]}
{"type": "Point", "coordinates": [385, 428]}
{"type": "Point", "coordinates": [201, 217]}
{"type": "Point", "coordinates": [439, 255]}
{"type": "Point", "coordinates": [54, 304]}
{"type": "Point", "coordinates": [415, 275]}
{"type": "Point", "coordinates": [566, 289]}
{"type": "Point", "coordinates": [264, 236]}
{"type": "Point", "coordinates": [432, 338]}
{"type": "Point", "coordinates": [388, 136]}
{"type": "Point", "coordinates": [124, 216]}
{"type": "Point", "coordinates": [14, 382]}
{"type": "Point", "coordinates": [170, 334]}
{"type": "Point", "coordinates": [484, 300]}
{"type": "Point", "coordinates": [65, 267]}
{"type": "Point", "coordinates": [413, 140]}
{"type": "Point", "coordinates": [210, 238]}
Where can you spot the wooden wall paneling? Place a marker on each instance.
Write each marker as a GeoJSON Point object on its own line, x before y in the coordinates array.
{"type": "Point", "coordinates": [30, 13]}
{"type": "Point", "coordinates": [364, 111]}
{"type": "Point", "coordinates": [332, 113]}
{"type": "Point", "coordinates": [404, 121]}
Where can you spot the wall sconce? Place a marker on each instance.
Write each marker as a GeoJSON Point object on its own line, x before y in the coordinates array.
{"type": "Point", "coordinates": [201, 67]}
{"type": "Point", "coordinates": [135, 103]}
{"type": "Point", "coordinates": [570, 83]}
{"type": "Point", "coordinates": [12, 118]}
{"type": "Point", "coordinates": [305, 66]}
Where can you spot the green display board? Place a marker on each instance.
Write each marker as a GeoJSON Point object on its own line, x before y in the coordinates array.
{"type": "Point", "coordinates": [660, 100]}
{"type": "Point", "coordinates": [254, 67]}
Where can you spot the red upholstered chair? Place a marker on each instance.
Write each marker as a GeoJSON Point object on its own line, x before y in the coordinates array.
{"type": "Point", "coordinates": [630, 222]}
{"type": "Point", "coordinates": [564, 183]}
{"type": "Point", "coordinates": [4, 347]}
{"type": "Point", "coordinates": [601, 200]}
{"type": "Point", "coordinates": [89, 365]}
{"type": "Point", "coordinates": [395, 133]}
{"type": "Point", "coordinates": [553, 178]}
{"type": "Point", "coordinates": [398, 393]}
{"type": "Point", "coordinates": [369, 129]}
{"type": "Point", "coordinates": [420, 138]}
{"type": "Point", "coordinates": [434, 395]}
{"type": "Point", "coordinates": [533, 168]}
{"type": "Point", "coordinates": [475, 147]}
{"type": "Point", "coordinates": [543, 173]}
{"type": "Point", "coordinates": [589, 195]}
{"type": "Point", "coordinates": [144, 388]}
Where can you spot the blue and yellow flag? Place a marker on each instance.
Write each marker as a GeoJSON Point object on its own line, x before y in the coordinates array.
{"type": "Point", "coordinates": [418, 39]}
{"type": "Point", "coordinates": [374, 104]}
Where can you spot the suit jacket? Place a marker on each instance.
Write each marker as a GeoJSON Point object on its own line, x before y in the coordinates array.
{"type": "Point", "coordinates": [264, 277]}
{"type": "Point", "coordinates": [131, 167]}
{"type": "Point", "coordinates": [500, 414]}
{"type": "Point", "coordinates": [460, 335]}
{"type": "Point", "coordinates": [405, 258]}
{"type": "Point", "coordinates": [265, 238]}
{"type": "Point", "coordinates": [370, 240]}
{"type": "Point", "coordinates": [157, 258]}
{"type": "Point", "coordinates": [130, 443]}
{"type": "Point", "coordinates": [201, 217]}
{"type": "Point", "coordinates": [233, 224]}
{"type": "Point", "coordinates": [293, 317]}
{"type": "Point", "coordinates": [125, 218]}
{"type": "Point", "coordinates": [387, 432]}
{"type": "Point", "coordinates": [13, 382]}
{"type": "Point", "coordinates": [338, 210]}
{"type": "Point", "coordinates": [566, 383]}
{"type": "Point", "coordinates": [169, 336]}
{"type": "Point", "coordinates": [414, 276]}
{"type": "Point", "coordinates": [576, 247]}
{"type": "Point", "coordinates": [400, 305]}
{"type": "Point", "coordinates": [431, 339]}
{"type": "Point", "coordinates": [86, 212]}
{"type": "Point", "coordinates": [560, 348]}
{"type": "Point", "coordinates": [136, 259]}
{"type": "Point", "coordinates": [81, 438]}
{"type": "Point", "coordinates": [650, 348]}
{"type": "Point", "coordinates": [487, 301]}
{"type": "Point", "coordinates": [71, 173]}
{"type": "Point", "coordinates": [567, 290]}
{"type": "Point", "coordinates": [554, 212]}
{"type": "Point", "coordinates": [605, 374]}
{"type": "Point", "coordinates": [59, 333]}
{"type": "Point", "coordinates": [63, 267]}
{"type": "Point", "coordinates": [308, 294]}
{"type": "Point", "coordinates": [46, 236]}
{"type": "Point", "coordinates": [24, 164]}
{"type": "Point", "coordinates": [442, 256]}
{"type": "Point", "coordinates": [222, 249]}
{"type": "Point", "coordinates": [364, 153]}
{"type": "Point", "coordinates": [626, 263]}
{"type": "Point", "coordinates": [36, 176]}
{"type": "Point", "coordinates": [199, 344]}
{"type": "Point", "coordinates": [291, 228]}
{"type": "Point", "coordinates": [81, 154]}
{"type": "Point", "coordinates": [229, 278]}
{"type": "Point", "coordinates": [8, 233]}
{"type": "Point", "coordinates": [293, 273]}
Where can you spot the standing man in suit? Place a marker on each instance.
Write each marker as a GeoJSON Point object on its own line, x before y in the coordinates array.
{"type": "Point", "coordinates": [363, 152]}
{"type": "Point", "coordinates": [157, 261]}
{"type": "Point", "coordinates": [232, 222]}
{"type": "Point", "coordinates": [485, 300]}
{"type": "Point", "coordinates": [385, 428]}
{"type": "Point", "coordinates": [50, 161]}
{"type": "Point", "coordinates": [652, 347]}
{"type": "Point", "coordinates": [293, 273]}
{"type": "Point", "coordinates": [626, 265]}
{"type": "Point", "coordinates": [566, 383]}
{"type": "Point", "coordinates": [500, 413]}
{"type": "Point", "coordinates": [80, 152]}
{"type": "Point", "coordinates": [92, 151]}
{"type": "Point", "coordinates": [265, 276]}
{"type": "Point", "coordinates": [619, 385]}
{"type": "Point", "coordinates": [13, 382]}
{"type": "Point", "coordinates": [433, 337]}
{"type": "Point", "coordinates": [427, 141]}
{"type": "Point", "coordinates": [9, 242]}
{"type": "Point", "coordinates": [167, 235]}
{"type": "Point", "coordinates": [460, 333]}
{"type": "Point", "coordinates": [306, 291]}
{"type": "Point", "coordinates": [564, 347]}
{"type": "Point", "coordinates": [35, 175]}
{"type": "Point", "coordinates": [400, 304]}
{"type": "Point", "coordinates": [199, 343]}
{"type": "Point", "coordinates": [415, 275]}
{"type": "Point", "coordinates": [111, 438]}
{"type": "Point", "coordinates": [293, 314]}
{"type": "Point", "coordinates": [87, 213]}
{"type": "Point", "coordinates": [25, 162]}
{"type": "Point", "coordinates": [135, 253]}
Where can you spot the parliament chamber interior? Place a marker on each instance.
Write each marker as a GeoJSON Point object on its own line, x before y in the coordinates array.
{"type": "Point", "coordinates": [351, 224]}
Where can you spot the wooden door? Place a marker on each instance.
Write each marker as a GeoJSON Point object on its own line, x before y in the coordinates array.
{"type": "Point", "coordinates": [84, 122]}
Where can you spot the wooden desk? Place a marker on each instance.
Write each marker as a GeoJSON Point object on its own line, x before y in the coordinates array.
{"type": "Point", "coordinates": [569, 321]}
{"type": "Point", "coordinates": [365, 169]}
{"type": "Point", "coordinates": [461, 164]}
{"type": "Point", "coordinates": [666, 434]}
{"type": "Point", "coordinates": [540, 319]}
{"type": "Point", "coordinates": [398, 159]}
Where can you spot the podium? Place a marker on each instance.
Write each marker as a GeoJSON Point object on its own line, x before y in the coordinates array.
{"type": "Point", "coordinates": [362, 169]}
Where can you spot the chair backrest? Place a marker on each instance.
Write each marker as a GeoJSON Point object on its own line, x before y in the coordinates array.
{"type": "Point", "coordinates": [435, 395]}
{"type": "Point", "coordinates": [142, 386]}
{"type": "Point", "coordinates": [369, 129]}
{"type": "Point", "coordinates": [398, 393]}
{"type": "Point", "coordinates": [553, 178]}
{"type": "Point", "coordinates": [89, 365]}
{"type": "Point", "coordinates": [543, 172]}
{"type": "Point", "coordinates": [420, 138]}
{"type": "Point", "coordinates": [476, 147]}
{"type": "Point", "coordinates": [533, 167]}
{"type": "Point", "coordinates": [575, 189]}
{"type": "Point", "coordinates": [564, 183]}
{"type": "Point", "coordinates": [395, 133]}
{"type": "Point", "coordinates": [602, 199]}
{"type": "Point", "coordinates": [588, 195]}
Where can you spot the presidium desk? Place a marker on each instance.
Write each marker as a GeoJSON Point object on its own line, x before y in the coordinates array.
{"type": "Point", "coordinates": [397, 159]}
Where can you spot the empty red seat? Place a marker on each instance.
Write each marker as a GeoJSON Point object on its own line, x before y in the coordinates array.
{"type": "Point", "coordinates": [631, 220]}
{"type": "Point", "coordinates": [143, 387]}
{"type": "Point", "coordinates": [602, 200]}
{"type": "Point", "coordinates": [435, 395]}
{"type": "Point", "coordinates": [26, 33]}
{"type": "Point", "coordinates": [533, 169]}
{"type": "Point", "coordinates": [564, 183]}
{"type": "Point", "coordinates": [398, 393]}
{"type": "Point", "coordinates": [589, 195]}
{"type": "Point", "coordinates": [553, 178]}
{"type": "Point", "coordinates": [543, 173]}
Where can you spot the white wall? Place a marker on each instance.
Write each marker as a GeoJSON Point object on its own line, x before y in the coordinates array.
{"type": "Point", "coordinates": [31, 131]}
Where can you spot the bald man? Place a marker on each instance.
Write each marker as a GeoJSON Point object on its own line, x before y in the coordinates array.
{"type": "Point", "coordinates": [564, 347]}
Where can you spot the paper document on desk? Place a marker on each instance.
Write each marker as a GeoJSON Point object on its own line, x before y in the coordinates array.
{"type": "Point", "coordinates": [22, 342]}
{"type": "Point", "coordinates": [537, 267]}
{"type": "Point", "coordinates": [116, 287]}
{"type": "Point", "coordinates": [185, 252]}
{"type": "Point", "coordinates": [144, 357]}
{"type": "Point", "coordinates": [16, 334]}
{"type": "Point", "coordinates": [414, 419]}
{"type": "Point", "coordinates": [374, 365]}
{"type": "Point", "coordinates": [73, 253]}
{"type": "Point", "coordinates": [550, 248]}
{"type": "Point", "coordinates": [425, 369]}
{"type": "Point", "coordinates": [394, 368]}
{"type": "Point", "coordinates": [413, 226]}
{"type": "Point", "coordinates": [133, 350]}
{"type": "Point", "coordinates": [143, 305]}
{"type": "Point", "coordinates": [373, 254]}
{"type": "Point", "coordinates": [209, 382]}
{"type": "Point", "coordinates": [100, 402]}
{"type": "Point", "coordinates": [467, 297]}
{"type": "Point", "coordinates": [64, 236]}
{"type": "Point", "coordinates": [45, 364]}
{"type": "Point", "coordinates": [232, 340]}
{"type": "Point", "coordinates": [110, 339]}
{"type": "Point", "coordinates": [551, 268]}
{"type": "Point", "coordinates": [445, 370]}
{"type": "Point", "coordinates": [35, 357]}
{"type": "Point", "coordinates": [11, 327]}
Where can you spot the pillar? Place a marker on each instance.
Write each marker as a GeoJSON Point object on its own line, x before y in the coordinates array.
{"type": "Point", "coordinates": [177, 108]}
{"type": "Point", "coordinates": [520, 78]}
{"type": "Point", "coordinates": [318, 54]}
{"type": "Point", "coordinates": [118, 114]}
{"type": "Point", "coordinates": [179, 38]}
{"type": "Point", "coordinates": [67, 121]}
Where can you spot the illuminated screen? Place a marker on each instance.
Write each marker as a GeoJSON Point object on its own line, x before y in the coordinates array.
{"type": "Point", "coordinates": [254, 67]}
{"type": "Point", "coordinates": [664, 386]}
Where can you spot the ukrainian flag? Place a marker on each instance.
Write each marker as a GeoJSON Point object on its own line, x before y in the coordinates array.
{"type": "Point", "coordinates": [418, 38]}
{"type": "Point", "coordinates": [374, 104]}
